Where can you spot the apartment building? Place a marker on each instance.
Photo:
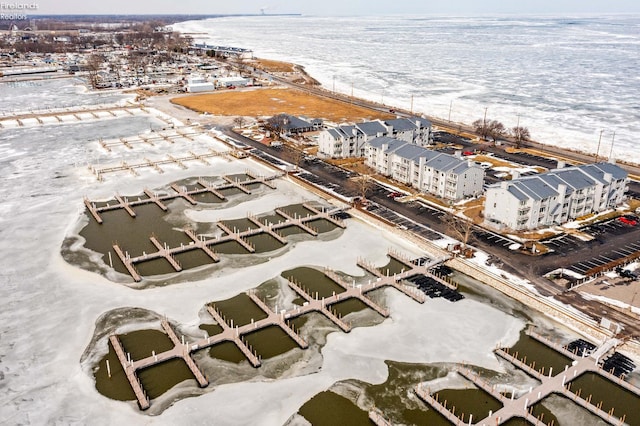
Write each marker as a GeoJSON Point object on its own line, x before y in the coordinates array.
{"type": "Point", "coordinates": [349, 140]}
{"type": "Point", "coordinates": [447, 176]}
{"type": "Point", "coordinates": [555, 197]}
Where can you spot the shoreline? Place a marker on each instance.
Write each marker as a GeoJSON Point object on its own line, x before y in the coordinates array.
{"type": "Point", "coordinates": [575, 134]}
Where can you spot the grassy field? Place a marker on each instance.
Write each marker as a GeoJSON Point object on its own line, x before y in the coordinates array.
{"type": "Point", "coordinates": [270, 65]}
{"type": "Point", "coordinates": [268, 102]}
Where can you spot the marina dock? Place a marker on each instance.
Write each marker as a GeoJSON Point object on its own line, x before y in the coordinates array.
{"type": "Point", "coordinates": [559, 383]}
{"type": "Point", "coordinates": [234, 333]}
{"type": "Point", "coordinates": [207, 244]}
{"type": "Point", "coordinates": [179, 192]}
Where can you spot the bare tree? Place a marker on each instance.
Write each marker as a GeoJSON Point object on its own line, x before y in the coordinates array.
{"type": "Point", "coordinates": [489, 129]}
{"type": "Point", "coordinates": [364, 184]}
{"type": "Point", "coordinates": [496, 130]}
{"type": "Point", "coordinates": [239, 121]}
{"type": "Point", "coordinates": [520, 134]}
{"type": "Point", "coordinates": [276, 125]}
{"type": "Point", "coordinates": [461, 229]}
{"type": "Point", "coordinates": [94, 63]}
{"type": "Point", "coordinates": [481, 128]}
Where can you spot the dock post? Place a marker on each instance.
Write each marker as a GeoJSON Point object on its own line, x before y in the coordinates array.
{"type": "Point", "coordinates": [108, 369]}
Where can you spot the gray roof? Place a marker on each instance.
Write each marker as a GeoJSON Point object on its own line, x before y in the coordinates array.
{"type": "Point", "coordinates": [411, 151]}
{"type": "Point", "coordinates": [617, 172]}
{"type": "Point", "coordinates": [513, 190]}
{"type": "Point", "coordinates": [385, 140]}
{"type": "Point", "coordinates": [334, 133]}
{"type": "Point", "coordinates": [347, 131]}
{"type": "Point", "coordinates": [401, 124]}
{"type": "Point", "coordinates": [545, 185]}
{"type": "Point", "coordinates": [537, 188]}
{"type": "Point", "coordinates": [575, 178]}
{"type": "Point", "coordinates": [371, 128]}
{"type": "Point", "coordinates": [423, 121]}
{"type": "Point", "coordinates": [443, 162]}
{"type": "Point", "coordinates": [461, 168]}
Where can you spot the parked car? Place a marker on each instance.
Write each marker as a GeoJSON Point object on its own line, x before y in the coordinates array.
{"type": "Point", "coordinates": [628, 220]}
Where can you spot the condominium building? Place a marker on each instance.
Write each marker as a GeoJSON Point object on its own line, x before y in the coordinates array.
{"type": "Point", "coordinates": [555, 197]}
{"type": "Point", "coordinates": [349, 140]}
{"type": "Point", "coordinates": [447, 176]}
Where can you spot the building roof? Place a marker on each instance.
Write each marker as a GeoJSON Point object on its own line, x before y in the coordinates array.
{"type": "Point", "coordinates": [411, 151]}
{"type": "Point", "coordinates": [371, 128]}
{"type": "Point", "coordinates": [513, 190]}
{"type": "Point", "coordinates": [443, 162]}
{"type": "Point", "coordinates": [392, 143]}
{"type": "Point", "coordinates": [575, 178]}
{"type": "Point", "coordinates": [617, 172]}
{"type": "Point", "coordinates": [462, 167]}
{"type": "Point", "coordinates": [347, 131]}
{"type": "Point", "coordinates": [423, 121]}
{"type": "Point", "coordinates": [536, 188]}
{"type": "Point", "coordinates": [545, 185]}
{"type": "Point", "coordinates": [291, 122]}
{"type": "Point", "coordinates": [401, 124]}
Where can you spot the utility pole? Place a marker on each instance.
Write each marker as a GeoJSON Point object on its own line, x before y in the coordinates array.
{"type": "Point", "coordinates": [599, 140]}
{"type": "Point", "coordinates": [484, 123]}
{"type": "Point", "coordinates": [612, 139]}
{"type": "Point", "coordinates": [411, 104]}
{"type": "Point", "coordinates": [450, 105]}
{"type": "Point", "coordinates": [334, 83]}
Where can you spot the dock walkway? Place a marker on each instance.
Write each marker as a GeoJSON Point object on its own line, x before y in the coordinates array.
{"type": "Point", "coordinates": [183, 349]}
{"type": "Point", "coordinates": [200, 242]}
{"type": "Point", "coordinates": [549, 383]}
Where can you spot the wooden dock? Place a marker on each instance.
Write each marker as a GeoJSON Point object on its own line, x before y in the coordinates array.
{"type": "Point", "coordinates": [521, 406]}
{"type": "Point", "coordinates": [163, 251]}
{"type": "Point", "coordinates": [183, 349]}
{"type": "Point", "coordinates": [378, 418]}
{"type": "Point", "coordinates": [130, 372]}
{"type": "Point", "coordinates": [179, 192]}
{"type": "Point", "coordinates": [133, 168]}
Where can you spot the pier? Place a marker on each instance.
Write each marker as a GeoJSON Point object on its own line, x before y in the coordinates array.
{"type": "Point", "coordinates": [559, 383]}
{"type": "Point", "coordinates": [155, 164]}
{"type": "Point", "coordinates": [71, 115]}
{"type": "Point", "coordinates": [183, 348]}
{"type": "Point", "coordinates": [179, 192]}
{"type": "Point", "coordinates": [169, 136]}
{"type": "Point", "coordinates": [200, 242]}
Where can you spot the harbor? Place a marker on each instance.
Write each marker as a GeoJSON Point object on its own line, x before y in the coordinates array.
{"type": "Point", "coordinates": [236, 333]}
{"type": "Point", "coordinates": [550, 383]}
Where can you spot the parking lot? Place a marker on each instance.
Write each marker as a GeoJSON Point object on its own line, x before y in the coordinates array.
{"type": "Point", "coordinates": [607, 228]}
{"type": "Point", "coordinates": [563, 243]}
{"type": "Point", "coordinates": [492, 238]}
{"type": "Point", "coordinates": [584, 266]}
{"type": "Point", "coordinates": [403, 222]}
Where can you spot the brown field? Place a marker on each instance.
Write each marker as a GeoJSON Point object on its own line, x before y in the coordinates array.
{"type": "Point", "coordinates": [273, 66]}
{"type": "Point", "coordinates": [268, 102]}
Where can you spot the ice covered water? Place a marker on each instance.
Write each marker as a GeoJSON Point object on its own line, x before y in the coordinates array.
{"type": "Point", "coordinates": [563, 78]}
{"type": "Point", "coordinates": [50, 308]}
